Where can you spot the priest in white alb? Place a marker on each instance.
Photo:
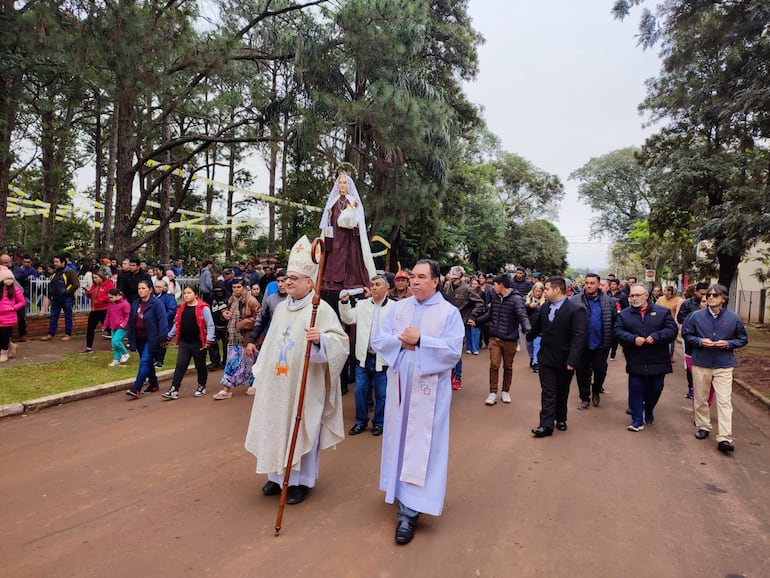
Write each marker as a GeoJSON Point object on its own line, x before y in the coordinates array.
{"type": "Point", "coordinates": [277, 377]}
{"type": "Point", "coordinates": [421, 341]}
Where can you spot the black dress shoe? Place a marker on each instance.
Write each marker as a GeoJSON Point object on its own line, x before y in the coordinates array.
{"type": "Point", "coordinates": [357, 429]}
{"type": "Point", "coordinates": [271, 489]}
{"type": "Point", "coordinates": [725, 446]}
{"type": "Point", "coordinates": [541, 432]}
{"type": "Point", "coordinates": [595, 399]}
{"type": "Point", "coordinates": [377, 430]}
{"type": "Point", "coordinates": [212, 366]}
{"type": "Point", "coordinates": [702, 434]}
{"type": "Point", "coordinates": [296, 494]}
{"type": "Point", "coordinates": [405, 530]}
{"type": "Point", "coordinates": [561, 425]}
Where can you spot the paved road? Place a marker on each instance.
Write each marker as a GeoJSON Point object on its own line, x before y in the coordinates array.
{"type": "Point", "coordinates": [111, 487]}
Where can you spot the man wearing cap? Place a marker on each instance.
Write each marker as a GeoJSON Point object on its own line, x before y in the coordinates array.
{"type": "Point", "coordinates": [278, 374]}
{"type": "Point", "coordinates": [401, 290]}
{"type": "Point", "coordinates": [420, 341]}
{"type": "Point", "coordinates": [218, 304]}
{"type": "Point", "coordinates": [469, 304]}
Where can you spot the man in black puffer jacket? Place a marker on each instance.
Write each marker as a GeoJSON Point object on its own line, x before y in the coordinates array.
{"type": "Point", "coordinates": [506, 312]}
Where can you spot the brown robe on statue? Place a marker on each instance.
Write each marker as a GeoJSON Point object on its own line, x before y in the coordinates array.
{"type": "Point", "coordinates": [344, 266]}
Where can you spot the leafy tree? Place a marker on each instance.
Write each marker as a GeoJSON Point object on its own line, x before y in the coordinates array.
{"type": "Point", "coordinates": [710, 162]}
{"type": "Point", "coordinates": [526, 190]}
{"type": "Point", "coordinates": [539, 246]}
{"type": "Point", "coordinates": [615, 187]}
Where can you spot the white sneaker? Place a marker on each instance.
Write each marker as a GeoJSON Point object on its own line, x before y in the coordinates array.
{"type": "Point", "coordinates": [114, 363]}
{"type": "Point", "coordinates": [506, 397]}
{"type": "Point", "coordinates": [125, 357]}
{"type": "Point", "coordinates": [518, 347]}
{"type": "Point", "coordinates": [491, 399]}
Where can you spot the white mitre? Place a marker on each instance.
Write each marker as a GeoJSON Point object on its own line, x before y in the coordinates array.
{"type": "Point", "coordinates": [300, 259]}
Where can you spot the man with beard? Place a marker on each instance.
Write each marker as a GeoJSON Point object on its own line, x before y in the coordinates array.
{"type": "Point", "coordinates": [645, 331]}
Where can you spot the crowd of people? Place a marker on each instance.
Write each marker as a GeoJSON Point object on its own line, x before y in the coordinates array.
{"type": "Point", "coordinates": [408, 331]}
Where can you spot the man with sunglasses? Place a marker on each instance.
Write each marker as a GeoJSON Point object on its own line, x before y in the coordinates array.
{"type": "Point", "coordinates": [713, 333]}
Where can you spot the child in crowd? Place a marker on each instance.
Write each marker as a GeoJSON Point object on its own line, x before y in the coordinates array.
{"type": "Point", "coordinates": [116, 320]}
{"type": "Point", "coordinates": [11, 300]}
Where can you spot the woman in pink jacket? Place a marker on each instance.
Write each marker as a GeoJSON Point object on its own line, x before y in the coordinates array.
{"type": "Point", "coordinates": [11, 301]}
{"type": "Point", "coordinates": [118, 311]}
{"type": "Point", "coordinates": [99, 295]}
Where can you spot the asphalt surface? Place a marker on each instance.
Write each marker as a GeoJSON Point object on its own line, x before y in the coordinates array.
{"type": "Point", "coordinates": [112, 487]}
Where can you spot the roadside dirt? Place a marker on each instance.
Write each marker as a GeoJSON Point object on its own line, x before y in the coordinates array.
{"type": "Point", "coordinates": [754, 360]}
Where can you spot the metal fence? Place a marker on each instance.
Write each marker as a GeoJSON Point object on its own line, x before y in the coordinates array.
{"type": "Point", "coordinates": [40, 304]}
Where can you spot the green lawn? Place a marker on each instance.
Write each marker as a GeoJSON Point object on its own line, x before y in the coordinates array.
{"type": "Point", "coordinates": [74, 371]}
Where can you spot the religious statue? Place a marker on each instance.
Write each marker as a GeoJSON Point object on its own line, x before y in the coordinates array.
{"type": "Point", "coordinates": [349, 263]}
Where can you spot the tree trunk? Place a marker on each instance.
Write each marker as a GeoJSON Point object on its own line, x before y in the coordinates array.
{"type": "Point", "coordinates": [10, 84]}
{"type": "Point", "coordinates": [124, 178]}
{"type": "Point", "coordinates": [98, 162]}
{"type": "Point", "coordinates": [229, 217]}
{"type": "Point", "coordinates": [109, 188]}
{"type": "Point", "coordinates": [728, 267]}
{"type": "Point", "coordinates": [163, 199]}
{"type": "Point", "coordinates": [273, 167]}
{"type": "Point", "coordinates": [284, 167]}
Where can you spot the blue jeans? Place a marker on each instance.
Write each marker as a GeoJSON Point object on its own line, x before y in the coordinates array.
{"type": "Point", "coordinates": [533, 348]}
{"type": "Point", "coordinates": [459, 370]}
{"type": "Point", "coordinates": [472, 338]}
{"type": "Point", "coordinates": [59, 304]}
{"type": "Point", "coordinates": [643, 393]}
{"type": "Point", "coordinates": [368, 380]}
{"type": "Point", "coordinates": [146, 366]}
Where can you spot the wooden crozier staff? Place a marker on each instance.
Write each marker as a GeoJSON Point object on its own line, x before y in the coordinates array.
{"type": "Point", "coordinates": [317, 255]}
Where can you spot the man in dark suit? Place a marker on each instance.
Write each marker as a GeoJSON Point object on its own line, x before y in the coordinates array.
{"type": "Point", "coordinates": [562, 327]}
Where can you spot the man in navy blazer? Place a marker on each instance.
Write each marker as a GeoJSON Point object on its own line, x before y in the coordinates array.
{"type": "Point", "coordinates": [562, 326]}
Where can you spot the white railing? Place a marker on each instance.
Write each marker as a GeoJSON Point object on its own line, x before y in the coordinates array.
{"type": "Point", "coordinates": [39, 302]}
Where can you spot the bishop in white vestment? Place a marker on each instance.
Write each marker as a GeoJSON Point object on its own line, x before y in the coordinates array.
{"type": "Point", "coordinates": [421, 341]}
{"type": "Point", "coordinates": [277, 377]}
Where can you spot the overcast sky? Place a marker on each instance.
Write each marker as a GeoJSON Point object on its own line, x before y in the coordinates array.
{"type": "Point", "coordinates": [560, 83]}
